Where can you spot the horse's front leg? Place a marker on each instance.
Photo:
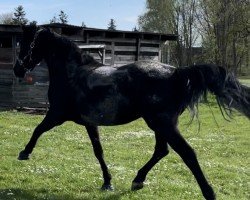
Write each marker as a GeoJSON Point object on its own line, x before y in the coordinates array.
{"type": "Point", "coordinates": [97, 147]}
{"type": "Point", "coordinates": [161, 150]}
{"type": "Point", "coordinates": [51, 120]}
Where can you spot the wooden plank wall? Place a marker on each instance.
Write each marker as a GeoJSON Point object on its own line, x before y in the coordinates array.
{"type": "Point", "coordinates": [123, 51]}
{"type": "Point", "coordinates": [16, 92]}
{"type": "Point", "coordinates": [6, 79]}
{"type": "Point", "coordinates": [32, 94]}
{"type": "Point", "coordinates": [5, 56]}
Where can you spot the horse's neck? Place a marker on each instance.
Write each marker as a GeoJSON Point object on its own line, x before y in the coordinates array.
{"type": "Point", "coordinates": [64, 61]}
{"type": "Point", "coordinates": [61, 68]}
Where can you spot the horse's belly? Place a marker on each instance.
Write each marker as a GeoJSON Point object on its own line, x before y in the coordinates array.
{"type": "Point", "coordinates": [111, 111]}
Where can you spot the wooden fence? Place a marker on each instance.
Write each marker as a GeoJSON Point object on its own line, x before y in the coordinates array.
{"type": "Point", "coordinates": [6, 81]}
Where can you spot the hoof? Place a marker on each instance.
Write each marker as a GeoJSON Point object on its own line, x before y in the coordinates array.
{"type": "Point", "coordinates": [107, 187]}
{"type": "Point", "coordinates": [136, 186]}
{"type": "Point", "coordinates": [209, 194]}
{"type": "Point", "coordinates": [23, 156]}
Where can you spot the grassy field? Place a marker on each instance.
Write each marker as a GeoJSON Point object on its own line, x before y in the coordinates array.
{"type": "Point", "coordinates": [63, 166]}
{"type": "Point", "coordinates": [245, 81]}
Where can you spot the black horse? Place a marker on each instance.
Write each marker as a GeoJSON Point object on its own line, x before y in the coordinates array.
{"type": "Point", "coordinates": [88, 93]}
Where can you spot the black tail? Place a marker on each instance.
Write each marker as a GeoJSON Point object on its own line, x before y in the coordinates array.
{"type": "Point", "coordinates": [234, 95]}
{"type": "Point", "coordinates": [197, 80]}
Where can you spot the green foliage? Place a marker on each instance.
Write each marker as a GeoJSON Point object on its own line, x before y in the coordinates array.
{"type": "Point", "coordinates": [33, 23]}
{"type": "Point", "coordinates": [84, 25]}
{"type": "Point", "coordinates": [223, 26]}
{"type": "Point", "coordinates": [157, 17]}
{"type": "Point", "coordinates": [61, 18]}
{"type": "Point", "coordinates": [112, 25]}
{"type": "Point", "coordinates": [173, 17]}
{"type": "Point", "coordinates": [53, 20]}
{"type": "Point", "coordinates": [245, 81]}
{"type": "Point", "coordinates": [19, 16]}
{"type": "Point", "coordinates": [63, 165]}
{"type": "Point", "coordinates": [6, 18]}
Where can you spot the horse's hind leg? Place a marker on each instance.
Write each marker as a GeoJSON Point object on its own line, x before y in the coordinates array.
{"type": "Point", "coordinates": [166, 132]}
{"type": "Point", "coordinates": [161, 150]}
{"type": "Point", "coordinates": [97, 147]}
{"type": "Point", "coordinates": [180, 146]}
{"type": "Point", "coordinates": [48, 123]}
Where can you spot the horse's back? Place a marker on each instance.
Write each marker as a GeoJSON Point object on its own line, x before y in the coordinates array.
{"type": "Point", "coordinates": [149, 69]}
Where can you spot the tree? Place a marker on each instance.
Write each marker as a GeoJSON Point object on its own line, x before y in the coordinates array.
{"type": "Point", "coordinates": [83, 25]}
{"type": "Point", "coordinates": [225, 36]}
{"type": "Point", "coordinates": [111, 25]}
{"type": "Point", "coordinates": [54, 20]}
{"type": "Point", "coordinates": [19, 16]}
{"type": "Point", "coordinates": [63, 18]}
{"type": "Point", "coordinates": [176, 17]}
{"type": "Point", "coordinates": [222, 28]}
{"type": "Point", "coordinates": [34, 23]}
{"type": "Point", "coordinates": [156, 18]}
{"type": "Point", "coordinates": [135, 29]}
{"type": "Point", "coordinates": [6, 18]}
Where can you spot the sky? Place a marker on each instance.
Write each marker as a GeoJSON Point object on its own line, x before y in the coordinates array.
{"type": "Point", "coordinates": [94, 13]}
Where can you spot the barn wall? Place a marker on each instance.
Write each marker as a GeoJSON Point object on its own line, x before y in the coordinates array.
{"type": "Point", "coordinates": [6, 80]}
{"type": "Point", "coordinates": [121, 51]}
{"type": "Point", "coordinates": [32, 94]}
{"type": "Point", "coordinates": [120, 48]}
{"type": "Point", "coordinates": [6, 72]}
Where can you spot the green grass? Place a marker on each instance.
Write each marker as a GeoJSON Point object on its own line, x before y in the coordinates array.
{"type": "Point", "coordinates": [63, 166]}
{"type": "Point", "coordinates": [245, 81]}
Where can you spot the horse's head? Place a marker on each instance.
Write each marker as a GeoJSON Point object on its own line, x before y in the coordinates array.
{"type": "Point", "coordinates": [32, 49]}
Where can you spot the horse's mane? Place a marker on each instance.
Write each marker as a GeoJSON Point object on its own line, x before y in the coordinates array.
{"type": "Point", "coordinates": [70, 46]}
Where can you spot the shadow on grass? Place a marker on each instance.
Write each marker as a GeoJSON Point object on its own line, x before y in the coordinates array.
{"type": "Point", "coordinates": [42, 194]}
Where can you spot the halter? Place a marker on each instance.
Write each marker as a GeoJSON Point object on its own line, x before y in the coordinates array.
{"type": "Point", "coordinates": [32, 45]}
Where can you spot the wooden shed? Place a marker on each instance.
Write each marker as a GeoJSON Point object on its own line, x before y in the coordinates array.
{"type": "Point", "coordinates": [9, 35]}
{"type": "Point", "coordinates": [114, 48]}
